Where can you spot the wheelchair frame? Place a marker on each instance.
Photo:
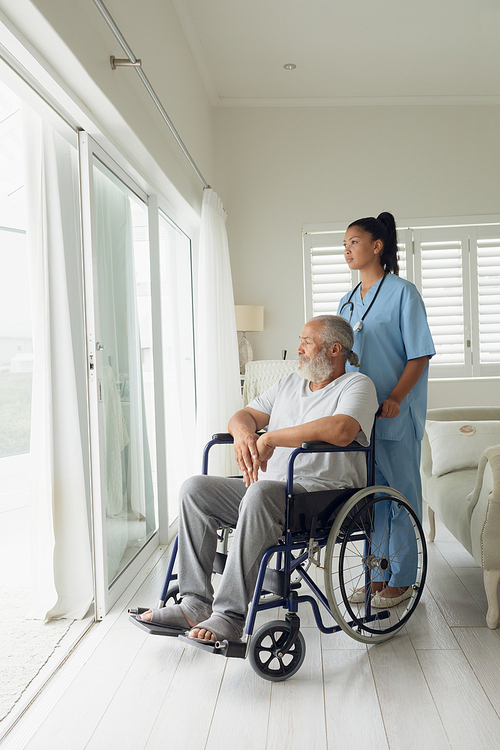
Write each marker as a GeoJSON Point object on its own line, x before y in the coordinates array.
{"type": "Point", "coordinates": [351, 525]}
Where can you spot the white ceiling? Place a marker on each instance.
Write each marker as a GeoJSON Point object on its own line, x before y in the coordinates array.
{"type": "Point", "coordinates": [346, 51]}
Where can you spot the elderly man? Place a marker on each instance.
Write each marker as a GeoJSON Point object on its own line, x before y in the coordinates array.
{"type": "Point", "coordinates": [319, 402]}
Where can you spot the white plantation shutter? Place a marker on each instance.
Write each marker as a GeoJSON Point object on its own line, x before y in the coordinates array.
{"type": "Point", "coordinates": [330, 276]}
{"type": "Point", "coordinates": [485, 274]}
{"type": "Point", "coordinates": [441, 275]}
{"type": "Point", "coordinates": [457, 271]}
{"type": "Point", "coordinates": [405, 261]}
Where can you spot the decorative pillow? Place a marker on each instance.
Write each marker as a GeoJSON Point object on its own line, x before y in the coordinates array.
{"type": "Point", "coordinates": [458, 445]}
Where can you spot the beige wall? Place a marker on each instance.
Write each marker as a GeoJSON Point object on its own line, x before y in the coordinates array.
{"type": "Point", "coordinates": [278, 169]}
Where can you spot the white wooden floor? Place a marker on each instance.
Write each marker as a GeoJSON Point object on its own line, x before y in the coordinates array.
{"type": "Point", "coordinates": [435, 686]}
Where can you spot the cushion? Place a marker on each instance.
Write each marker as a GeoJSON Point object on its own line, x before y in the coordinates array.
{"type": "Point", "coordinates": [458, 445]}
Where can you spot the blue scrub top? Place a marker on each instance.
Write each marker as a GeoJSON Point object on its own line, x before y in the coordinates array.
{"type": "Point", "coordinates": [394, 331]}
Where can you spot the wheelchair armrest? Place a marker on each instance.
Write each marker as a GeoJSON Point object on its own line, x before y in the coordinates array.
{"type": "Point", "coordinates": [223, 437]}
{"type": "Point", "coordinates": [226, 437]}
{"type": "Point", "coordinates": [220, 438]}
{"type": "Point", "coordinates": [322, 447]}
{"type": "Point", "coordinates": [317, 445]}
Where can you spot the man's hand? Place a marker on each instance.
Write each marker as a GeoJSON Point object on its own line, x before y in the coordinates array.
{"type": "Point", "coordinates": [243, 425]}
{"type": "Point", "coordinates": [247, 457]}
{"type": "Point", "coordinates": [265, 451]}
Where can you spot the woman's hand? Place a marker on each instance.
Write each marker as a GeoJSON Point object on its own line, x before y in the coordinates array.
{"type": "Point", "coordinates": [389, 408]}
{"type": "Point", "coordinates": [410, 377]}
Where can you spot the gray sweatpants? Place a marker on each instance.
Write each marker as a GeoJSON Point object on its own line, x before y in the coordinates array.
{"type": "Point", "coordinates": [208, 503]}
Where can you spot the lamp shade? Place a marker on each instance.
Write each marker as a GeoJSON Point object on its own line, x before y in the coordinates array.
{"type": "Point", "coordinates": [249, 317]}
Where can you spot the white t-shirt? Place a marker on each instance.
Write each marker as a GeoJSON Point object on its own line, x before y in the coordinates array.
{"type": "Point", "coordinates": [290, 402]}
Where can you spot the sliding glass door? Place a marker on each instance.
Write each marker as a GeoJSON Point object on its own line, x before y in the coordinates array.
{"type": "Point", "coordinates": [120, 372]}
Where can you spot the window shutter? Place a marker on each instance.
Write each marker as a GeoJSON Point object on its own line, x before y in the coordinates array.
{"type": "Point", "coordinates": [327, 275]}
{"type": "Point", "coordinates": [441, 275]}
{"type": "Point", "coordinates": [457, 271]}
{"type": "Point", "coordinates": [405, 257]}
{"type": "Point", "coordinates": [485, 271]}
{"type": "Point", "coordinates": [330, 276]}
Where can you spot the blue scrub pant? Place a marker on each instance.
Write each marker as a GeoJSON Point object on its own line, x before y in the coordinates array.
{"type": "Point", "coordinates": [397, 465]}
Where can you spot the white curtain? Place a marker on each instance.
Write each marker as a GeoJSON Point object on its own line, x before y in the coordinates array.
{"type": "Point", "coordinates": [217, 364]}
{"type": "Point", "coordinates": [178, 360]}
{"type": "Point", "coordinates": [59, 522]}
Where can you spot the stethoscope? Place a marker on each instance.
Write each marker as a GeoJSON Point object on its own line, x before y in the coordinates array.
{"type": "Point", "coordinates": [350, 304]}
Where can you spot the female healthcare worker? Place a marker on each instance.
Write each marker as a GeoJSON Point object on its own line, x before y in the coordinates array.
{"type": "Point", "coordinates": [394, 345]}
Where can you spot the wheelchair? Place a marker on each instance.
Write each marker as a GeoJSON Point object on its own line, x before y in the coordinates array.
{"type": "Point", "coordinates": [354, 536]}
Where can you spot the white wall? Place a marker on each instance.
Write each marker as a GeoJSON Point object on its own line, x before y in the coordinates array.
{"type": "Point", "coordinates": [276, 169]}
{"type": "Point", "coordinates": [73, 40]}
{"type": "Point", "coordinates": [280, 168]}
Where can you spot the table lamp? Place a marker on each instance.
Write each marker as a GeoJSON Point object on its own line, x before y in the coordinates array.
{"type": "Point", "coordinates": [248, 318]}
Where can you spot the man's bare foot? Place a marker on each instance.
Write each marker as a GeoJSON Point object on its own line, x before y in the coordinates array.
{"type": "Point", "coordinates": [218, 627]}
{"type": "Point", "coordinates": [146, 616]}
{"type": "Point", "coordinates": [202, 633]}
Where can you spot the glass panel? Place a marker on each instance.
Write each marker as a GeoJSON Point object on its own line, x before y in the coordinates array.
{"type": "Point", "coordinates": [16, 348]}
{"type": "Point", "coordinates": [16, 373]}
{"type": "Point", "coordinates": [124, 368]}
{"type": "Point", "coordinates": [30, 644]}
{"type": "Point", "coordinates": [178, 359]}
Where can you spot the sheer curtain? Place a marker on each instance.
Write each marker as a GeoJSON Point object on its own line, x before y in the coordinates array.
{"type": "Point", "coordinates": [217, 365]}
{"type": "Point", "coordinates": [178, 359]}
{"type": "Point", "coordinates": [59, 522]}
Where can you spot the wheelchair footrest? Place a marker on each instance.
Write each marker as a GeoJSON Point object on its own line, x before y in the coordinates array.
{"type": "Point", "coordinates": [154, 628]}
{"type": "Point", "coordinates": [235, 649]}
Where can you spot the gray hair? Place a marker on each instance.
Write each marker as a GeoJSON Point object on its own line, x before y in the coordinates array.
{"type": "Point", "coordinates": [336, 329]}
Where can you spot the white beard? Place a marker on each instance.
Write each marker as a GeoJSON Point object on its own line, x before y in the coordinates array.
{"type": "Point", "coordinates": [317, 370]}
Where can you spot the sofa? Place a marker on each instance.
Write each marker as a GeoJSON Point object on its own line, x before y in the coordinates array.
{"type": "Point", "coordinates": [461, 484]}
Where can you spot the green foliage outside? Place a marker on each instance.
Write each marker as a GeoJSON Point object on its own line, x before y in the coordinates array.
{"type": "Point", "coordinates": [15, 412]}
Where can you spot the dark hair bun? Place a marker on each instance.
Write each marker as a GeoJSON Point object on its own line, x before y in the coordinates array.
{"type": "Point", "coordinates": [388, 221]}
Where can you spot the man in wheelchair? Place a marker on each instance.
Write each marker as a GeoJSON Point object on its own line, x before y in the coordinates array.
{"type": "Point", "coordinates": [321, 402]}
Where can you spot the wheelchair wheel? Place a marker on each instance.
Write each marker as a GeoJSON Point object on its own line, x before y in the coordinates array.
{"type": "Point", "coordinates": [266, 653]}
{"type": "Point", "coordinates": [366, 547]}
